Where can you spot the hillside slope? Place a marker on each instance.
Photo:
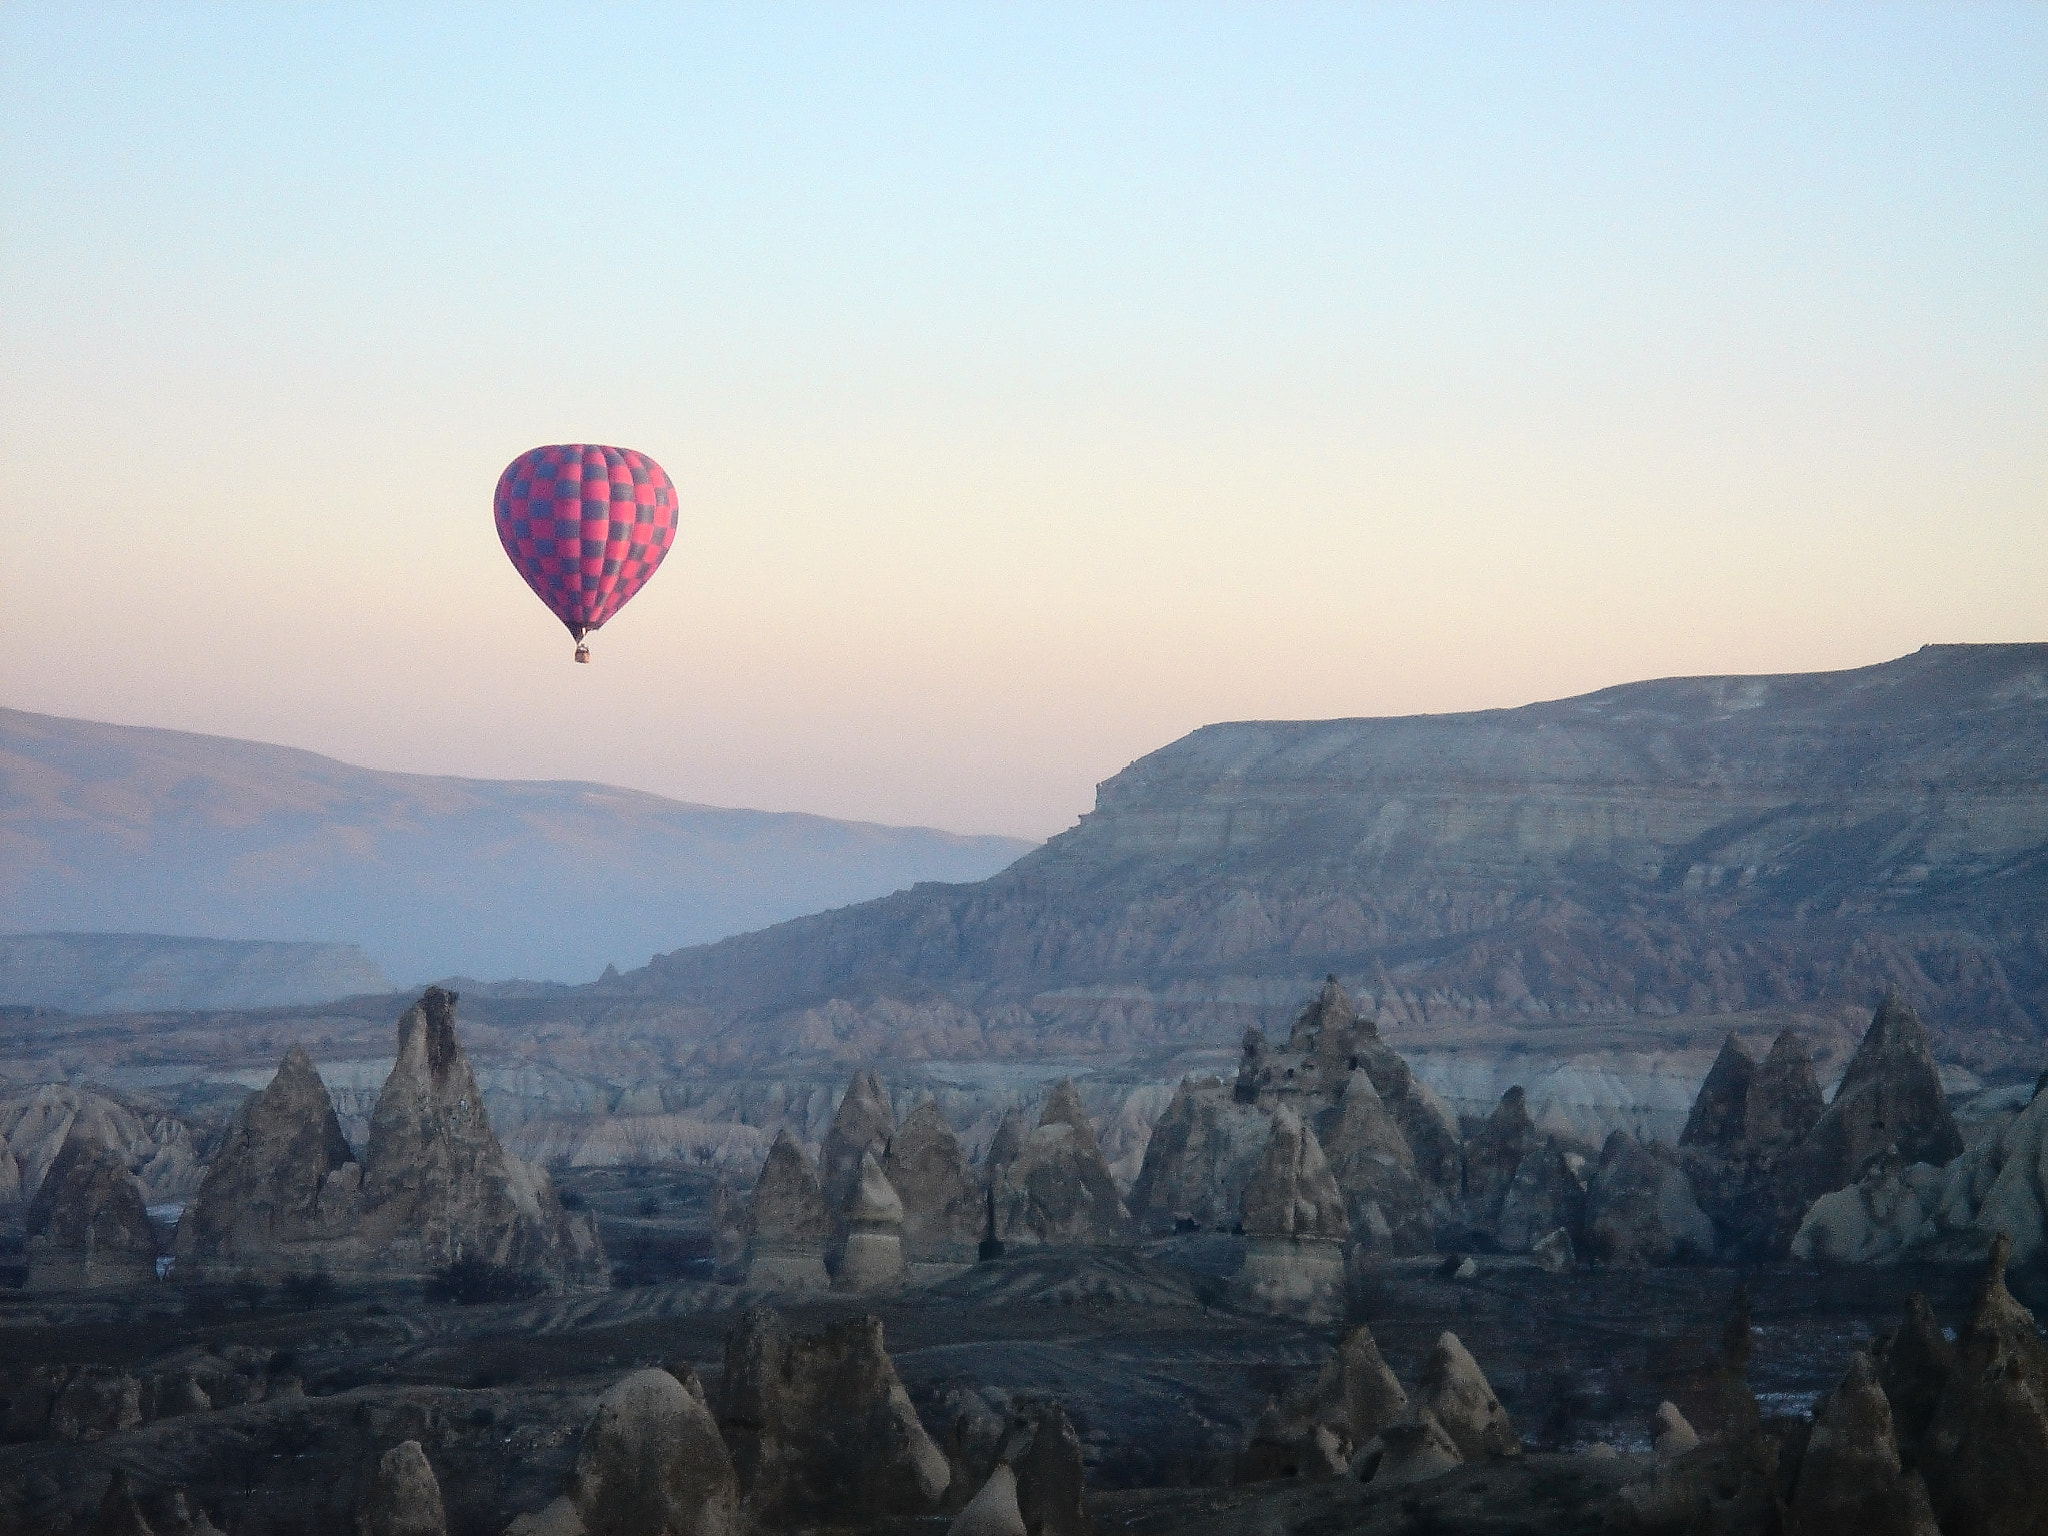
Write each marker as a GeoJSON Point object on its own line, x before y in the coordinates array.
{"type": "Point", "coordinates": [1691, 846]}
{"type": "Point", "coordinates": [108, 828]}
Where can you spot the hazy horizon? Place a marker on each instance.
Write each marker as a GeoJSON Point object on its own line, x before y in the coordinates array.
{"type": "Point", "coordinates": [1038, 385]}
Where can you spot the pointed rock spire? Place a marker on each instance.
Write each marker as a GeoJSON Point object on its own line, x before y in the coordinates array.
{"type": "Point", "coordinates": [405, 1496]}
{"type": "Point", "coordinates": [942, 1212]}
{"type": "Point", "coordinates": [1785, 1101]}
{"type": "Point", "coordinates": [276, 1185]}
{"type": "Point", "coordinates": [87, 1225]}
{"type": "Point", "coordinates": [1717, 1110]}
{"type": "Point", "coordinates": [1457, 1392]}
{"type": "Point", "coordinates": [1063, 1107]}
{"type": "Point", "coordinates": [863, 1123]}
{"type": "Point", "coordinates": [788, 1222]}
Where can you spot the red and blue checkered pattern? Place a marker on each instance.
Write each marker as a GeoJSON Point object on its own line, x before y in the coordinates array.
{"type": "Point", "coordinates": [586, 526]}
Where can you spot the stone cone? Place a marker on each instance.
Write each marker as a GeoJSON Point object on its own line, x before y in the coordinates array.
{"type": "Point", "coordinates": [788, 1223]}
{"type": "Point", "coordinates": [1850, 1480]}
{"type": "Point", "coordinates": [863, 1123]}
{"type": "Point", "coordinates": [1415, 1448]}
{"type": "Point", "coordinates": [87, 1225]}
{"type": "Point", "coordinates": [404, 1498]}
{"type": "Point", "coordinates": [1456, 1391]}
{"type": "Point", "coordinates": [1718, 1108]}
{"type": "Point", "coordinates": [873, 1256]}
{"type": "Point", "coordinates": [942, 1210]}
{"type": "Point", "coordinates": [283, 1182]}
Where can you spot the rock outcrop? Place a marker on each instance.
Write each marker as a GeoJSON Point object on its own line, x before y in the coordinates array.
{"type": "Point", "coordinates": [788, 1223]}
{"type": "Point", "coordinates": [1040, 1444]}
{"type": "Point", "coordinates": [820, 1427]}
{"type": "Point", "coordinates": [1293, 1216]}
{"type": "Point", "coordinates": [404, 1497]}
{"type": "Point", "coordinates": [1391, 1144]}
{"type": "Point", "coordinates": [942, 1210]}
{"type": "Point", "coordinates": [155, 1145]}
{"type": "Point", "coordinates": [1352, 1399]}
{"type": "Point", "coordinates": [87, 1225]}
{"type": "Point", "coordinates": [1414, 1448]}
{"type": "Point", "coordinates": [862, 1124]}
{"type": "Point", "coordinates": [1640, 1208]}
{"type": "Point", "coordinates": [651, 1463]}
{"type": "Point", "coordinates": [1058, 1189]}
{"type": "Point", "coordinates": [994, 1510]}
{"type": "Point", "coordinates": [1456, 1391]}
{"type": "Point", "coordinates": [1005, 1146]}
{"type": "Point", "coordinates": [1890, 1102]}
{"type": "Point", "coordinates": [1998, 1186]}
{"type": "Point", "coordinates": [873, 1255]}
{"type": "Point", "coordinates": [438, 1187]}
{"type": "Point", "coordinates": [280, 1189]}
{"type": "Point", "coordinates": [1851, 1482]}
{"type": "Point", "coordinates": [1968, 1417]}
{"type": "Point", "coordinates": [1388, 1204]}
{"type": "Point", "coordinates": [1741, 1143]}
{"type": "Point", "coordinates": [1203, 1152]}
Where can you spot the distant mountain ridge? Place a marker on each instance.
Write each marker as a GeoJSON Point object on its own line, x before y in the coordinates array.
{"type": "Point", "coordinates": [1717, 845]}
{"type": "Point", "coordinates": [125, 829]}
{"type": "Point", "coordinates": [140, 972]}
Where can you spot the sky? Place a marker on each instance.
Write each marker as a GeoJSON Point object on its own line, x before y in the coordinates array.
{"type": "Point", "coordinates": [1040, 382]}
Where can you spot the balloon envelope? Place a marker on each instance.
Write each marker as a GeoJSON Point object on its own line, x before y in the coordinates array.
{"type": "Point", "coordinates": [586, 525]}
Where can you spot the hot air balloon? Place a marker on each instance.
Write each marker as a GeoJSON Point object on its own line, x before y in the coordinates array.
{"type": "Point", "coordinates": [586, 525]}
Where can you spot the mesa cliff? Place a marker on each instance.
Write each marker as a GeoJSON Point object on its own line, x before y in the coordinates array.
{"type": "Point", "coordinates": [1692, 846]}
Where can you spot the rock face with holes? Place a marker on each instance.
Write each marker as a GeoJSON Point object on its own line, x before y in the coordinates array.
{"type": "Point", "coordinates": [788, 1224]}
{"type": "Point", "coordinates": [437, 1187]}
{"type": "Point", "coordinates": [1058, 1190]}
{"type": "Point", "coordinates": [87, 1226]}
{"type": "Point", "coordinates": [1391, 1145]}
{"type": "Point", "coordinates": [942, 1210]}
{"type": "Point", "coordinates": [1293, 1216]}
{"type": "Point", "coordinates": [281, 1187]}
{"type": "Point", "coordinates": [821, 1428]}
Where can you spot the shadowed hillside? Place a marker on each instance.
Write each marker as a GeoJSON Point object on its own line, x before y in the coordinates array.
{"type": "Point", "coordinates": [116, 828]}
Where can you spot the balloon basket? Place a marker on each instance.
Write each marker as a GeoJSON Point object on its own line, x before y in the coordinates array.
{"type": "Point", "coordinates": [583, 654]}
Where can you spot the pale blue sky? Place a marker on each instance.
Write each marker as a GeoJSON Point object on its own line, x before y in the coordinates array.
{"type": "Point", "coordinates": [1040, 382]}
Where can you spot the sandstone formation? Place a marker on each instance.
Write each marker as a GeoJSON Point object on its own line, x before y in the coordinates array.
{"type": "Point", "coordinates": [1391, 1145]}
{"type": "Point", "coordinates": [1040, 1445]}
{"type": "Point", "coordinates": [1640, 1208]}
{"type": "Point", "coordinates": [1201, 1155]}
{"type": "Point", "coordinates": [942, 1210]}
{"type": "Point", "coordinates": [87, 1225]}
{"type": "Point", "coordinates": [873, 1219]}
{"type": "Point", "coordinates": [1058, 1189]}
{"type": "Point", "coordinates": [281, 1188]}
{"type": "Point", "coordinates": [1742, 1142]}
{"type": "Point", "coordinates": [788, 1224]}
{"type": "Point", "coordinates": [993, 1511]}
{"type": "Point", "coordinates": [651, 1463]}
{"type": "Point", "coordinates": [404, 1497]}
{"type": "Point", "coordinates": [1294, 1217]}
{"type": "Point", "coordinates": [1850, 1479]}
{"type": "Point", "coordinates": [1385, 1199]}
{"type": "Point", "coordinates": [438, 1187]}
{"type": "Point", "coordinates": [1353, 1398]}
{"type": "Point", "coordinates": [1899, 1210]}
{"type": "Point", "coordinates": [820, 1426]}
{"type": "Point", "coordinates": [1671, 1435]}
{"type": "Point", "coordinates": [1414, 1448]}
{"type": "Point", "coordinates": [862, 1124]}
{"type": "Point", "coordinates": [1005, 1145]}
{"type": "Point", "coordinates": [119, 1514]}
{"type": "Point", "coordinates": [1456, 1391]}
{"type": "Point", "coordinates": [1723, 1099]}
{"type": "Point", "coordinates": [1890, 1102]}
{"type": "Point", "coordinates": [157, 1147]}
